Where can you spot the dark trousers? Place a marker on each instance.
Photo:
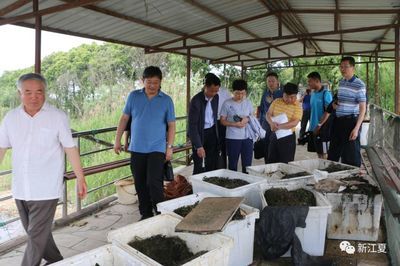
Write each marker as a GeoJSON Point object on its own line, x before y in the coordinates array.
{"type": "Point", "coordinates": [37, 219]}
{"type": "Point", "coordinates": [340, 146]}
{"type": "Point", "coordinates": [268, 134]}
{"type": "Point", "coordinates": [222, 143]}
{"type": "Point", "coordinates": [304, 121]}
{"type": "Point", "coordinates": [147, 170]}
{"type": "Point", "coordinates": [242, 147]}
{"type": "Point", "coordinates": [210, 146]}
{"type": "Point", "coordinates": [281, 150]}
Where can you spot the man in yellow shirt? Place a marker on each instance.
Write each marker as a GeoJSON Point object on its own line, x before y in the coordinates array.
{"type": "Point", "coordinates": [283, 149]}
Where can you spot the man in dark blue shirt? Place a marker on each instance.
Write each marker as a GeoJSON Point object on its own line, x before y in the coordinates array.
{"type": "Point", "coordinates": [271, 93]}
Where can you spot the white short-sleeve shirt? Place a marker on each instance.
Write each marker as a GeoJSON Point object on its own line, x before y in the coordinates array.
{"type": "Point", "coordinates": [37, 145]}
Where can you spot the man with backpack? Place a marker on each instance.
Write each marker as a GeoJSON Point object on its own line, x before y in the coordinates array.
{"type": "Point", "coordinates": [319, 118]}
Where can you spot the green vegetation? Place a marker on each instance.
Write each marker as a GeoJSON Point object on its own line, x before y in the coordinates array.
{"type": "Point", "coordinates": [91, 83]}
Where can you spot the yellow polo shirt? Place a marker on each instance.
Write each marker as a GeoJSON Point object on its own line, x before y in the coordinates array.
{"type": "Point", "coordinates": [293, 111]}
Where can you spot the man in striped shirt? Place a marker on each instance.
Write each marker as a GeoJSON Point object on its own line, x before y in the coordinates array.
{"type": "Point", "coordinates": [350, 111]}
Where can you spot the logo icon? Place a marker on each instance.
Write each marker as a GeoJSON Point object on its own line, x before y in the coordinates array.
{"type": "Point", "coordinates": [347, 247]}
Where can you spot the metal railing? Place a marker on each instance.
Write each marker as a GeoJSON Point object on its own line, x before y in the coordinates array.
{"type": "Point", "coordinates": [92, 135]}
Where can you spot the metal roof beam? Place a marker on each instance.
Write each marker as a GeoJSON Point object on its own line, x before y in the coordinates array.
{"type": "Point", "coordinates": [285, 37]}
{"type": "Point", "coordinates": [14, 6]}
{"type": "Point", "coordinates": [323, 65]}
{"type": "Point", "coordinates": [290, 20]}
{"type": "Point", "coordinates": [258, 49]}
{"type": "Point", "coordinates": [273, 13]}
{"type": "Point", "coordinates": [294, 41]}
{"type": "Point", "coordinates": [224, 19]}
{"type": "Point", "coordinates": [297, 56]}
{"type": "Point", "coordinates": [227, 21]}
{"type": "Point", "coordinates": [338, 25]}
{"type": "Point", "coordinates": [47, 11]}
{"type": "Point", "coordinates": [395, 18]}
{"type": "Point", "coordinates": [94, 37]}
{"type": "Point", "coordinates": [145, 23]}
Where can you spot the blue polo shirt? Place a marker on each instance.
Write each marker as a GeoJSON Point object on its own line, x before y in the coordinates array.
{"type": "Point", "coordinates": [351, 92]}
{"type": "Point", "coordinates": [318, 102]}
{"type": "Point", "coordinates": [149, 121]}
{"type": "Point", "coordinates": [266, 99]}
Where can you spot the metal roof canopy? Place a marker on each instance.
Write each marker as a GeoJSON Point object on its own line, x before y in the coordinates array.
{"type": "Point", "coordinates": [224, 31]}
{"type": "Point", "coordinates": [243, 33]}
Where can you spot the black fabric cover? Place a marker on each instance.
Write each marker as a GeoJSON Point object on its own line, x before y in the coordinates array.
{"type": "Point", "coordinates": [275, 234]}
{"type": "Point", "coordinates": [275, 229]}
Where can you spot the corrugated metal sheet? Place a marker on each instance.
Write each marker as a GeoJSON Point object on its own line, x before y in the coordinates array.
{"type": "Point", "coordinates": [349, 47]}
{"type": "Point", "coordinates": [264, 27]}
{"type": "Point", "coordinates": [317, 22]}
{"type": "Point", "coordinates": [215, 52]}
{"type": "Point", "coordinates": [235, 9]}
{"type": "Point", "coordinates": [381, 4]}
{"type": "Point", "coordinates": [364, 35]}
{"type": "Point", "coordinates": [329, 47]}
{"type": "Point", "coordinates": [312, 4]}
{"type": "Point", "coordinates": [159, 22]}
{"type": "Point", "coordinates": [360, 21]}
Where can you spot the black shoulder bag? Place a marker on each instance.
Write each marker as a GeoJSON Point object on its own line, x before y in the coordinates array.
{"type": "Point", "coordinates": [325, 130]}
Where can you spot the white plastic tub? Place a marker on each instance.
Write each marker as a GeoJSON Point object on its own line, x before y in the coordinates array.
{"type": "Point", "coordinates": [218, 245]}
{"type": "Point", "coordinates": [311, 164]}
{"type": "Point", "coordinates": [126, 191]}
{"type": "Point", "coordinates": [268, 171]}
{"type": "Point", "coordinates": [312, 237]}
{"type": "Point", "coordinates": [241, 231]}
{"type": "Point", "coordinates": [111, 255]}
{"type": "Point", "coordinates": [354, 216]}
{"type": "Point", "coordinates": [249, 192]}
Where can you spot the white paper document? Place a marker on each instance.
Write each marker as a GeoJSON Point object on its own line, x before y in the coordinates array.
{"type": "Point", "coordinates": [280, 119]}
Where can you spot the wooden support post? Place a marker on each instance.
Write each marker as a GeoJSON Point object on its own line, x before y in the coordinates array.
{"type": "Point", "coordinates": [38, 37]}
{"type": "Point", "coordinates": [376, 86]}
{"type": "Point", "coordinates": [397, 69]}
{"type": "Point", "coordinates": [367, 78]}
{"type": "Point", "coordinates": [242, 70]}
{"type": "Point", "coordinates": [188, 70]}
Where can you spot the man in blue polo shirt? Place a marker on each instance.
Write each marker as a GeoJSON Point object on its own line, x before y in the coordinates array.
{"type": "Point", "coordinates": [350, 111]}
{"type": "Point", "coordinates": [152, 137]}
{"type": "Point", "coordinates": [320, 100]}
{"type": "Point", "coordinates": [271, 93]}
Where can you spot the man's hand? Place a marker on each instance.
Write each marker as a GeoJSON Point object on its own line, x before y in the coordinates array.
{"type": "Point", "coordinates": [201, 152]}
{"type": "Point", "coordinates": [316, 130]}
{"type": "Point", "coordinates": [117, 147]}
{"type": "Point", "coordinates": [168, 154]}
{"type": "Point", "coordinates": [354, 134]}
{"type": "Point", "coordinates": [82, 188]}
{"type": "Point", "coordinates": [126, 146]}
{"type": "Point", "coordinates": [274, 126]}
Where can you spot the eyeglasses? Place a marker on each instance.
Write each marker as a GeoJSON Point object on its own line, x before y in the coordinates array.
{"type": "Point", "coordinates": [345, 66]}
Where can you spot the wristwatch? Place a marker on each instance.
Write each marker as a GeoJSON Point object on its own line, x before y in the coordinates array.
{"type": "Point", "coordinates": [169, 146]}
{"type": "Point", "coordinates": [319, 124]}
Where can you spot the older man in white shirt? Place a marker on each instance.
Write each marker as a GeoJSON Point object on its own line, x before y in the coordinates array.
{"type": "Point", "coordinates": [38, 135]}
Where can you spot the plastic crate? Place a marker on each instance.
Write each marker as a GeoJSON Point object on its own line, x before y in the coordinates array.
{"type": "Point", "coordinates": [249, 192]}
{"type": "Point", "coordinates": [311, 164]}
{"type": "Point", "coordinates": [217, 245]}
{"type": "Point", "coordinates": [267, 170]}
{"type": "Point", "coordinates": [105, 255]}
{"type": "Point", "coordinates": [312, 237]}
{"type": "Point", "coordinates": [242, 231]}
{"type": "Point", "coordinates": [354, 216]}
